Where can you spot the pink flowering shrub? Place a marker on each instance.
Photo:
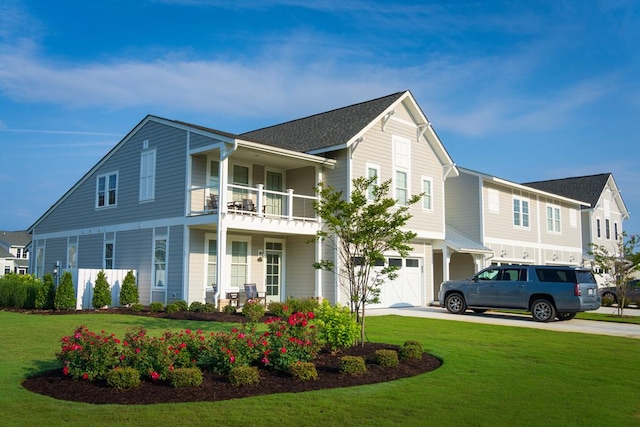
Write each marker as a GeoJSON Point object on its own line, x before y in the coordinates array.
{"type": "Point", "coordinates": [290, 340]}
{"type": "Point", "coordinates": [223, 351]}
{"type": "Point", "coordinates": [89, 355]}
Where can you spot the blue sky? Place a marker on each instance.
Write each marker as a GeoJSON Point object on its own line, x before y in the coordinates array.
{"type": "Point", "coordinates": [523, 90]}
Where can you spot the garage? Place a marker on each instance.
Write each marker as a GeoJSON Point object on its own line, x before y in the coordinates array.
{"type": "Point", "coordinates": [407, 289]}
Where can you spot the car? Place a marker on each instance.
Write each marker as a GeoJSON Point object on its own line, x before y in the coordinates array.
{"type": "Point", "coordinates": [547, 292]}
{"type": "Point", "coordinates": [632, 294]}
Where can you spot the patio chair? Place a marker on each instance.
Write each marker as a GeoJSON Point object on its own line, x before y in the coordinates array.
{"type": "Point", "coordinates": [252, 293]}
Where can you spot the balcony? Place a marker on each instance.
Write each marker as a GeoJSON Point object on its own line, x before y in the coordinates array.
{"type": "Point", "coordinates": [259, 202]}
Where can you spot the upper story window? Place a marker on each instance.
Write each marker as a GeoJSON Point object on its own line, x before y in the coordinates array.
{"type": "Point", "coordinates": [553, 219]}
{"type": "Point", "coordinates": [107, 190]}
{"type": "Point", "coordinates": [402, 162]}
{"type": "Point", "coordinates": [615, 231]}
{"type": "Point", "coordinates": [21, 253]}
{"type": "Point", "coordinates": [520, 212]}
{"type": "Point", "coordinates": [598, 232]}
{"type": "Point", "coordinates": [402, 187]}
{"type": "Point", "coordinates": [573, 218]}
{"type": "Point", "coordinates": [373, 171]}
{"type": "Point", "coordinates": [494, 200]}
{"type": "Point", "coordinates": [427, 193]}
{"type": "Point", "coordinates": [607, 231]}
{"type": "Point", "coordinates": [147, 175]}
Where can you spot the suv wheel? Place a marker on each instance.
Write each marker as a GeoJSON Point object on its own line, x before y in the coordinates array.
{"type": "Point", "coordinates": [566, 316]}
{"type": "Point", "coordinates": [543, 310]}
{"type": "Point", "coordinates": [455, 304]}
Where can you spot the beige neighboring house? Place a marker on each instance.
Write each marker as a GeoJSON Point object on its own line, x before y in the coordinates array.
{"type": "Point", "coordinates": [601, 217]}
{"type": "Point", "coordinates": [502, 222]}
{"type": "Point", "coordinates": [14, 256]}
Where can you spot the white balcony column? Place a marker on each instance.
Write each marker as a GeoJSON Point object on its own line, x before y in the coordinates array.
{"type": "Point", "coordinates": [289, 203]}
{"type": "Point", "coordinates": [318, 275]}
{"type": "Point", "coordinates": [222, 192]}
{"type": "Point", "coordinates": [259, 200]}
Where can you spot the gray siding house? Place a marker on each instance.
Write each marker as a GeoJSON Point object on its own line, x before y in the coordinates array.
{"type": "Point", "coordinates": [197, 212]}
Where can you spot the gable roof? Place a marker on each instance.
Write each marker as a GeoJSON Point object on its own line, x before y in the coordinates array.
{"type": "Point", "coordinates": [323, 130]}
{"type": "Point", "coordinates": [585, 188]}
{"type": "Point", "coordinates": [15, 238]}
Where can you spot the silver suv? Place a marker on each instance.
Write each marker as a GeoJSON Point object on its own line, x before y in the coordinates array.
{"type": "Point", "coordinates": [545, 291]}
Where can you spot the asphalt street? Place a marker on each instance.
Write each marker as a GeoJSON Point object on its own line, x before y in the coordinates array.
{"type": "Point", "coordinates": [523, 321]}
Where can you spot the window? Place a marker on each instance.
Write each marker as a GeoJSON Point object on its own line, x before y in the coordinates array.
{"type": "Point", "coordinates": [402, 190]}
{"type": "Point", "coordinates": [212, 264]}
{"type": "Point", "coordinates": [108, 255]}
{"type": "Point", "coordinates": [239, 263]}
{"type": "Point", "coordinates": [520, 212]}
{"type": "Point", "coordinates": [373, 171]}
{"type": "Point", "coordinates": [494, 200]}
{"type": "Point", "coordinates": [573, 218]}
{"type": "Point", "coordinates": [147, 175]}
{"type": "Point", "coordinates": [39, 260]}
{"type": "Point", "coordinates": [598, 233]}
{"type": "Point", "coordinates": [240, 177]}
{"type": "Point", "coordinates": [160, 262]}
{"type": "Point", "coordinates": [21, 253]}
{"type": "Point", "coordinates": [107, 188]}
{"type": "Point", "coordinates": [427, 196]}
{"type": "Point", "coordinates": [615, 231]}
{"type": "Point", "coordinates": [553, 219]}
{"type": "Point", "coordinates": [607, 231]}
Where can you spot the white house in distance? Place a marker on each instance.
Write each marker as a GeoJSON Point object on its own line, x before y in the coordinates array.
{"type": "Point", "coordinates": [199, 212]}
{"type": "Point", "coordinates": [14, 255]}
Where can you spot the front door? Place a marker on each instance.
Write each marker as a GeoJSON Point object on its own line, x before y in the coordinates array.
{"type": "Point", "coordinates": [273, 276]}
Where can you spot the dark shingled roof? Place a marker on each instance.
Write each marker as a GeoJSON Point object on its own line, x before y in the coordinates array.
{"type": "Point", "coordinates": [584, 188]}
{"type": "Point", "coordinates": [323, 130]}
{"type": "Point", "coordinates": [15, 238]}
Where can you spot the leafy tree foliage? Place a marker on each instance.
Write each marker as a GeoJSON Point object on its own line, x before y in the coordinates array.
{"type": "Point", "coordinates": [620, 261]}
{"type": "Point", "coordinates": [361, 227]}
{"type": "Point", "coordinates": [129, 290]}
{"type": "Point", "coordinates": [65, 298]}
{"type": "Point", "coordinates": [101, 291]}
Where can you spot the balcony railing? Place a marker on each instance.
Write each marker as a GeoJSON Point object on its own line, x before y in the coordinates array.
{"type": "Point", "coordinates": [252, 201]}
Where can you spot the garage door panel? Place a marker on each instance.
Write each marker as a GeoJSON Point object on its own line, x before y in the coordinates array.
{"type": "Point", "coordinates": [406, 289]}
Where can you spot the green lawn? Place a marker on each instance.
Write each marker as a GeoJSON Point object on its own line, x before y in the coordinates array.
{"type": "Point", "coordinates": [492, 375]}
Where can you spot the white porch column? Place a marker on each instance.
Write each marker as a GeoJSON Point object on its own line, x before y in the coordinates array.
{"type": "Point", "coordinates": [318, 274]}
{"type": "Point", "coordinates": [446, 260]}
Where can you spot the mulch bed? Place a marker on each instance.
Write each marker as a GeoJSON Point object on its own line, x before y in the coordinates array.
{"type": "Point", "coordinates": [215, 387]}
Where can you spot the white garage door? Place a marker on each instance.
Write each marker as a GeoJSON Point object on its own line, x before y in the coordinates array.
{"type": "Point", "coordinates": [406, 290]}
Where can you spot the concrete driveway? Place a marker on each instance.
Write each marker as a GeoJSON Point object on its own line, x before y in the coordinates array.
{"type": "Point", "coordinates": [508, 319]}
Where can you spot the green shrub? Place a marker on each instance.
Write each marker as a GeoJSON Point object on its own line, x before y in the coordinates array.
{"type": "Point", "coordinates": [229, 309]}
{"type": "Point", "coordinates": [186, 377]}
{"type": "Point", "coordinates": [65, 298]}
{"type": "Point", "coordinates": [209, 307]}
{"type": "Point", "coordinates": [196, 307]}
{"type": "Point", "coordinates": [302, 305]}
{"type": "Point", "coordinates": [19, 290]}
{"type": "Point", "coordinates": [337, 325]}
{"type": "Point", "coordinates": [123, 378]}
{"type": "Point", "coordinates": [244, 375]}
{"type": "Point", "coordinates": [387, 358]}
{"type": "Point", "coordinates": [278, 309]}
{"type": "Point", "coordinates": [46, 293]}
{"type": "Point", "coordinates": [89, 355]}
{"type": "Point", "coordinates": [182, 305]}
{"type": "Point", "coordinates": [352, 365]}
{"type": "Point", "coordinates": [254, 310]}
{"type": "Point", "coordinates": [172, 308]}
{"type": "Point", "coordinates": [137, 308]}
{"type": "Point", "coordinates": [303, 371]}
{"type": "Point", "coordinates": [101, 291]}
{"type": "Point", "coordinates": [411, 350]}
{"type": "Point", "coordinates": [156, 307]}
{"type": "Point", "coordinates": [291, 340]}
{"type": "Point", "coordinates": [607, 301]}
{"type": "Point", "coordinates": [129, 290]}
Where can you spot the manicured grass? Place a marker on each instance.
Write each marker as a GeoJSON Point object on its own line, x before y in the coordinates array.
{"type": "Point", "coordinates": [492, 375]}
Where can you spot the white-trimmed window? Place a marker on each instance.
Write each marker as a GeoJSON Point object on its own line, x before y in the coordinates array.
{"type": "Point", "coordinates": [239, 263]}
{"type": "Point", "coordinates": [598, 228]}
{"type": "Point", "coordinates": [212, 263]}
{"type": "Point", "coordinates": [108, 254]}
{"type": "Point", "coordinates": [160, 262]}
{"type": "Point", "coordinates": [607, 230]}
{"type": "Point", "coordinates": [493, 197]}
{"type": "Point", "coordinates": [616, 235]}
{"type": "Point", "coordinates": [373, 171]}
{"type": "Point", "coordinates": [402, 187]}
{"type": "Point", "coordinates": [107, 190]}
{"type": "Point", "coordinates": [147, 175]}
{"type": "Point", "coordinates": [520, 212]}
{"type": "Point", "coordinates": [573, 218]}
{"type": "Point", "coordinates": [553, 219]}
{"type": "Point", "coordinates": [427, 193]}
{"type": "Point", "coordinates": [40, 260]}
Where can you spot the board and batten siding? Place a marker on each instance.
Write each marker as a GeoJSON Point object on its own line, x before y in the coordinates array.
{"type": "Point", "coordinates": [78, 210]}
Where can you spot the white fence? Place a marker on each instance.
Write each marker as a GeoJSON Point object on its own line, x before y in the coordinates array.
{"type": "Point", "coordinates": [86, 283]}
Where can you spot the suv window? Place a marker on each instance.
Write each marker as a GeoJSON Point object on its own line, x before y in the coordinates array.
{"type": "Point", "coordinates": [585, 277]}
{"type": "Point", "coordinates": [556, 275]}
{"type": "Point", "coordinates": [514, 274]}
{"type": "Point", "coordinates": [490, 274]}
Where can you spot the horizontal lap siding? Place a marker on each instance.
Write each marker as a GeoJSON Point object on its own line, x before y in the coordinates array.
{"type": "Point", "coordinates": [300, 274]}
{"type": "Point", "coordinates": [197, 262]}
{"type": "Point", "coordinates": [134, 251]}
{"type": "Point", "coordinates": [463, 204]}
{"type": "Point", "coordinates": [175, 264]}
{"type": "Point", "coordinates": [78, 209]}
{"type": "Point", "coordinates": [91, 251]}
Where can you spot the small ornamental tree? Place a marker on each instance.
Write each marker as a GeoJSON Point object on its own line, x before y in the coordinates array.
{"type": "Point", "coordinates": [46, 293]}
{"type": "Point", "coordinates": [361, 227]}
{"type": "Point", "coordinates": [129, 290]}
{"type": "Point", "coordinates": [65, 298]}
{"type": "Point", "coordinates": [101, 291]}
{"type": "Point", "coordinates": [620, 261]}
